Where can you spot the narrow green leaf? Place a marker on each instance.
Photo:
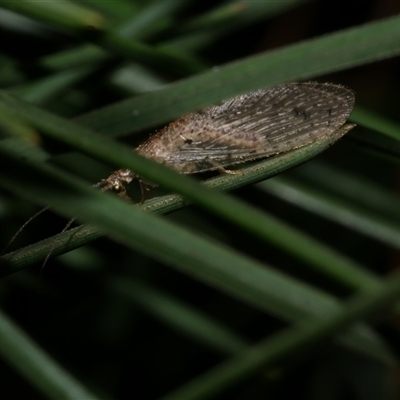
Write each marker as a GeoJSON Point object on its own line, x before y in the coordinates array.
{"type": "Point", "coordinates": [262, 225]}
{"type": "Point", "coordinates": [70, 240]}
{"type": "Point", "coordinates": [38, 367]}
{"type": "Point", "coordinates": [213, 263]}
{"type": "Point", "coordinates": [66, 14]}
{"type": "Point", "coordinates": [291, 342]}
{"type": "Point", "coordinates": [356, 46]}
{"type": "Point", "coordinates": [336, 209]}
{"type": "Point", "coordinates": [181, 316]}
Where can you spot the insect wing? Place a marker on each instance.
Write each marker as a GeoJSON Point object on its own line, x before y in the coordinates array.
{"type": "Point", "coordinates": [260, 124]}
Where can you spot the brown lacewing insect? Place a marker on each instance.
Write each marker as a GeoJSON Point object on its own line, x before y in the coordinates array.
{"type": "Point", "coordinates": [247, 127]}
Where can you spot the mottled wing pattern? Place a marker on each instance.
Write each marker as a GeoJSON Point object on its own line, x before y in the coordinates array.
{"type": "Point", "coordinates": [250, 126]}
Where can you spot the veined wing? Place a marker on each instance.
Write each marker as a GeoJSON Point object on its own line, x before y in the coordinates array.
{"type": "Point", "coordinates": [254, 125]}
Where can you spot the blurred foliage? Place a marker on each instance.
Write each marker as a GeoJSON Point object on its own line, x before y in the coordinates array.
{"type": "Point", "coordinates": [258, 294]}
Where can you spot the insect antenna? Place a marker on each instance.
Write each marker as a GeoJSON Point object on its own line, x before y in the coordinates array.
{"type": "Point", "coordinates": [100, 184]}
{"type": "Point", "coordinates": [56, 242]}
{"type": "Point", "coordinates": [16, 234]}
{"type": "Point", "coordinates": [105, 184]}
{"type": "Point", "coordinates": [115, 182]}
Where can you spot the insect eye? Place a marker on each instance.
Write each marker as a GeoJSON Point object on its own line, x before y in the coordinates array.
{"type": "Point", "coordinates": [117, 188]}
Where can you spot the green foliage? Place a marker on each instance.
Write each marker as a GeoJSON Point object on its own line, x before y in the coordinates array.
{"type": "Point", "coordinates": [199, 294]}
